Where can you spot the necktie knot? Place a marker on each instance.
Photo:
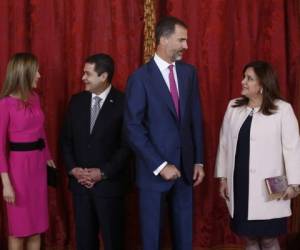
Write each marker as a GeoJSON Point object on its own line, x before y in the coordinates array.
{"type": "Point", "coordinates": [171, 66]}
{"type": "Point", "coordinates": [97, 100]}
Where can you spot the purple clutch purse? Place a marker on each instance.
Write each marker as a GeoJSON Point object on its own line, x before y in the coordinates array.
{"type": "Point", "coordinates": [276, 186]}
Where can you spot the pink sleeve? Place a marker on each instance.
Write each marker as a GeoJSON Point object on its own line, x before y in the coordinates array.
{"type": "Point", "coordinates": [47, 151]}
{"type": "Point", "coordinates": [4, 121]}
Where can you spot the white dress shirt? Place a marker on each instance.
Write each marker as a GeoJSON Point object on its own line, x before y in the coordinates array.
{"type": "Point", "coordinates": [103, 96]}
{"type": "Point", "coordinates": [164, 70]}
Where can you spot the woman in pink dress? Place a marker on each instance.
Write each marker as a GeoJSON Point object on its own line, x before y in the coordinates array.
{"type": "Point", "coordinates": [23, 154]}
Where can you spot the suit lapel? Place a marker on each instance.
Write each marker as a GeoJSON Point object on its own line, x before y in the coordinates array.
{"type": "Point", "coordinates": [86, 112]}
{"type": "Point", "coordinates": [182, 85]}
{"type": "Point", "coordinates": [160, 86]}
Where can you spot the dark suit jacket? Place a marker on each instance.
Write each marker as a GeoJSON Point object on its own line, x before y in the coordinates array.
{"type": "Point", "coordinates": [104, 148]}
{"type": "Point", "coordinates": [153, 129]}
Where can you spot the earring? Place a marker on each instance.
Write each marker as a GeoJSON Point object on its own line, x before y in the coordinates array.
{"type": "Point", "coordinates": [261, 91]}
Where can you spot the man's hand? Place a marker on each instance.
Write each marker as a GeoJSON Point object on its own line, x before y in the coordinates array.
{"type": "Point", "coordinates": [170, 173]}
{"type": "Point", "coordinates": [78, 173]}
{"type": "Point", "coordinates": [87, 176]}
{"type": "Point", "coordinates": [224, 189]}
{"type": "Point", "coordinates": [82, 177]}
{"type": "Point", "coordinates": [94, 175]}
{"type": "Point", "coordinates": [198, 174]}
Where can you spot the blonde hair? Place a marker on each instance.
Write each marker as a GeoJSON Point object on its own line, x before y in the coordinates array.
{"type": "Point", "coordinates": [20, 74]}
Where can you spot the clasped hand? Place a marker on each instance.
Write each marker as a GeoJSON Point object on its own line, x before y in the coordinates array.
{"type": "Point", "coordinates": [87, 176]}
{"type": "Point", "coordinates": [171, 173]}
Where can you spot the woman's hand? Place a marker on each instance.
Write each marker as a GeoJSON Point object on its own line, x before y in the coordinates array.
{"type": "Point", "coordinates": [290, 193]}
{"type": "Point", "coordinates": [8, 191]}
{"type": "Point", "coordinates": [51, 164]}
{"type": "Point", "coordinates": [9, 194]}
{"type": "Point", "coordinates": [224, 189]}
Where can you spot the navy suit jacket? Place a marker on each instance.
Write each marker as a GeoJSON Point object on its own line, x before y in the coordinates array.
{"type": "Point", "coordinates": [153, 129]}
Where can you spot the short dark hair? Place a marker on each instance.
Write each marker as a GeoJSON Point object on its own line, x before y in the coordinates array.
{"type": "Point", "coordinates": [103, 63]}
{"type": "Point", "coordinates": [268, 80]}
{"type": "Point", "coordinates": [166, 27]}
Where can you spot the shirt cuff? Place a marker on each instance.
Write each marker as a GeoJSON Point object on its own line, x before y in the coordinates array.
{"type": "Point", "coordinates": [199, 165]}
{"type": "Point", "coordinates": [160, 168]}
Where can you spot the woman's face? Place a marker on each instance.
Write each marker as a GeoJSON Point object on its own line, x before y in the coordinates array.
{"type": "Point", "coordinates": [36, 79]}
{"type": "Point", "coordinates": [251, 87]}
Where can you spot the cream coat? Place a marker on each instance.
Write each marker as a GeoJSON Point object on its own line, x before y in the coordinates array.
{"type": "Point", "coordinates": [274, 151]}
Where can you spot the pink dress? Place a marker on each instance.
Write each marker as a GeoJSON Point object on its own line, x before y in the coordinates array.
{"type": "Point", "coordinates": [26, 169]}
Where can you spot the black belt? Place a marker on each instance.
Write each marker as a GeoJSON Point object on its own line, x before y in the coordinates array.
{"type": "Point", "coordinates": [27, 146]}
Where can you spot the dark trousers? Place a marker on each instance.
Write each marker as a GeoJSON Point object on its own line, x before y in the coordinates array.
{"type": "Point", "coordinates": [152, 206]}
{"type": "Point", "coordinates": [95, 214]}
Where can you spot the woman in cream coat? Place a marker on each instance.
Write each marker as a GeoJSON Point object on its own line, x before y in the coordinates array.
{"type": "Point", "coordinates": [259, 139]}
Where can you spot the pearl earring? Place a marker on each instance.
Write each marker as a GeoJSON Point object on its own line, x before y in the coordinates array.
{"type": "Point", "coordinates": [261, 91]}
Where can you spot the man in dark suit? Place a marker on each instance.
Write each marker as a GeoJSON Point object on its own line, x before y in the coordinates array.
{"type": "Point", "coordinates": [164, 127]}
{"type": "Point", "coordinates": [95, 156]}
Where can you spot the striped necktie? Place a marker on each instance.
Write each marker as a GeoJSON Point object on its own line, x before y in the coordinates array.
{"type": "Point", "coordinates": [95, 111]}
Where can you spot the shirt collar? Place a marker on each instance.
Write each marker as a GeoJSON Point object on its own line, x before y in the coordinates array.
{"type": "Point", "coordinates": [104, 94]}
{"type": "Point", "coordinates": [161, 64]}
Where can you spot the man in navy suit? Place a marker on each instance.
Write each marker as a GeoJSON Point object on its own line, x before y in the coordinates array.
{"type": "Point", "coordinates": [164, 128]}
{"type": "Point", "coordinates": [95, 157]}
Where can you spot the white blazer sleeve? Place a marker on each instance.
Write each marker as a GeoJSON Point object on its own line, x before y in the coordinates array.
{"type": "Point", "coordinates": [291, 145]}
{"type": "Point", "coordinates": [221, 161]}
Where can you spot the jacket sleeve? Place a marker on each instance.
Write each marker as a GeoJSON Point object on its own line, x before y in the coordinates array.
{"type": "Point", "coordinates": [119, 159]}
{"type": "Point", "coordinates": [135, 121]}
{"type": "Point", "coordinates": [291, 145]}
{"type": "Point", "coordinates": [66, 140]}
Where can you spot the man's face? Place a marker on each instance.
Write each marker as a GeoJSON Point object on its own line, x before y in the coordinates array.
{"type": "Point", "coordinates": [93, 83]}
{"type": "Point", "coordinates": [176, 43]}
